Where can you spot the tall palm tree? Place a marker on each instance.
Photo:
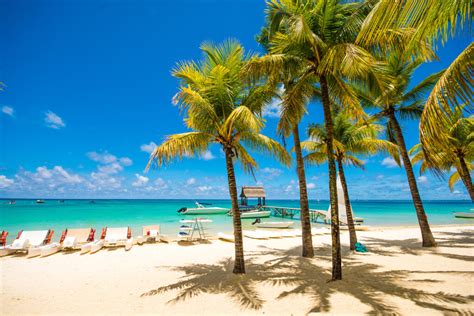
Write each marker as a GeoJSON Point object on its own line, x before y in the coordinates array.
{"type": "Point", "coordinates": [457, 152]}
{"type": "Point", "coordinates": [293, 107]}
{"type": "Point", "coordinates": [220, 107]}
{"type": "Point", "coordinates": [350, 139]}
{"type": "Point", "coordinates": [398, 102]}
{"type": "Point", "coordinates": [432, 21]}
{"type": "Point", "coordinates": [318, 38]}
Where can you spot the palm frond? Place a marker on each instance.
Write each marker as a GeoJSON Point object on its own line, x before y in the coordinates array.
{"type": "Point", "coordinates": [178, 146]}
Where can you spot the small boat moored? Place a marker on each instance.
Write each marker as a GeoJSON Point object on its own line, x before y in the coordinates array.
{"type": "Point", "coordinates": [280, 225]}
{"type": "Point", "coordinates": [201, 209]}
{"type": "Point", "coordinates": [464, 214]}
{"type": "Point", "coordinates": [39, 201]}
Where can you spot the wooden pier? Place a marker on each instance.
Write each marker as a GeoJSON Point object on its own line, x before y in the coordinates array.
{"type": "Point", "coordinates": [292, 212]}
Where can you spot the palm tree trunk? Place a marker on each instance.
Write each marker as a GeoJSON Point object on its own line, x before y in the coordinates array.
{"type": "Point", "coordinates": [347, 202]}
{"type": "Point", "coordinates": [466, 177]}
{"type": "Point", "coordinates": [308, 251]}
{"type": "Point", "coordinates": [336, 242]}
{"type": "Point", "coordinates": [426, 235]}
{"type": "Point", "coordinates": [239, 264]}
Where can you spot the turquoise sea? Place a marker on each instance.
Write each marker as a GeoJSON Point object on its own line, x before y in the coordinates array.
{"type": "Point", "coordinates": [53, 214]}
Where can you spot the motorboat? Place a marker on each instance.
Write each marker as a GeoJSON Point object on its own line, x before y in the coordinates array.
{"type": "Point", "coordinates": [260, 224]}
{"type": "Point", "coordinates": [203, 209]}
{"type": "Point", "coordinates": [12, 202]}
{"type": "Point", "coordinates": [464, 214]}
{"type": "Point", "coordinates": [252, 213]}
{"type": "Point", "coordinates": [39, 201]}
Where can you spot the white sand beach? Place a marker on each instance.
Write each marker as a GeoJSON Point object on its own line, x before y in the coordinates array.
{"type": "Point", "coordinates": [396, 276]}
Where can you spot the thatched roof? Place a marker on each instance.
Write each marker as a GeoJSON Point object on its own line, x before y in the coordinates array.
{"type": "Point", "coordinates": [252, 192]}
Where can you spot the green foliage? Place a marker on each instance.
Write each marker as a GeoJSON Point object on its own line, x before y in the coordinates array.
{"type": "Point", "coordinates": [220, 107]}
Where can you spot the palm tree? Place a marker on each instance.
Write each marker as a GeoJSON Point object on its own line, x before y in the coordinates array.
{"type": "Point", "coordinates": [316, 40]}
{"type": "Point", "coordinates": [457, 152]}
{"type": "Point", "coordinates": [350, 139]}
{"type": "Point", "coordinates": [221, 108]}
{"type": "Point", "coordinates": [396, 103]}
{"type": "Point", "coordinates": [432, 21]}
{"type": "Point", "coordinates": [293, 107]}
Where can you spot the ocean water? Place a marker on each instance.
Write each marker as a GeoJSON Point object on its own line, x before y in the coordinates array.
{"type": "Point", "coordinates": [28, 215]}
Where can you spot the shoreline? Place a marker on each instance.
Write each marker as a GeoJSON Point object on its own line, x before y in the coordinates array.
{"type": "Point", "coordinates": [397, 275]}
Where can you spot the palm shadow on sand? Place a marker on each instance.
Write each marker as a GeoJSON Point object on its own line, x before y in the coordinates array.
{"type": "Point", "coordinates": [365, 282]}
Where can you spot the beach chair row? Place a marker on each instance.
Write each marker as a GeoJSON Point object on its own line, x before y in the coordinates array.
{"type": "Point", "coordinates": [38, 242]}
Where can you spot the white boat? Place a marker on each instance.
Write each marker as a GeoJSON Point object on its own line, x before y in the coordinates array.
{"type": "Point", "coordinates": [464, 214]}
{"type": "Point", "coordinates": [274, 224]}
{"type": "Point", "coordinates": [225, 237]}
{"type": "Point", "coordinates": [252, 213]}
{"type": "Point", "coordinates": [200, 209]}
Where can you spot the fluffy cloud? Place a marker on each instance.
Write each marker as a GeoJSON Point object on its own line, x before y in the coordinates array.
{"type": "Point", "coordinates": [8, 110]}
{"type": "Point", "coordinates": [125, 161]}
{"type": "Point", "coordinates": [207, 155]}
{"type": "Point", "coordinates": [52, 120]}
{"type": "Point", "coordinates": [271, 173]}
{"type": "Point", "coordinates": [191, 181]}
{"type": "Point", "coordinates": [311, 186]}
{"type": "Point", "coordinates": [140, 181]}
{"type": "Point", "coordinates": [273, 109]}
{"type": "Point", "coordinates": [422, 179]}
{"type": "Point", "coordinates": [5, 182]}
{"type": "Point", "coordinates": [111, 168]}
{"type": "Point", "coordinates": [109, 163]}
{"type": "Point", "coordinates": [148, 148]}
{"type": "Point", "coordinates": [389, 162]}
{"type": "Point", "coordinates": [204, 188]}
{"type": "Point", "coordinates": [103, 158]}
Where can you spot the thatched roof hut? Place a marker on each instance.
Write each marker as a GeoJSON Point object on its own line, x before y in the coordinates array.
{"type": "Point", "coordinates": [252, 192]}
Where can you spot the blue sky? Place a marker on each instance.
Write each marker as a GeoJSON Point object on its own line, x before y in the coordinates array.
{"type": "Point", "coordinates": [88, 91]}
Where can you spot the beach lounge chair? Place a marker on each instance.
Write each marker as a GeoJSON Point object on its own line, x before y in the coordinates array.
{"type": "Point", "coordinates": [3, 238]}
{"type": "Point", "coordinates": [149, 233]}
{"type": "Point", "coordinates": [29, 242]}
{"type": "Point", "coordinates": [72, 239]}
{"type": "Point", "coordinates": [114, 237]}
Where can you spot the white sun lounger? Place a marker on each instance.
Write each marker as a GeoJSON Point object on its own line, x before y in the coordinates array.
{"type": "Point", "coordinates": [149, 233]}
{"type": "Point", "coordinates": [114, 237]}
{"type": "Point", "coordinates": [29, 242]}
{"type": "Point", "coordinates": [75, 238]}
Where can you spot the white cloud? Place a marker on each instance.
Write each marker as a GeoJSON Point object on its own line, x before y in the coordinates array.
{"type": "Point", "coordinates": [103, 181]}
{"type": "Point", "coordinates": [103, 158]}
{"type": "Point", "coordinates": [112, 168]}
{"type": "Point", "coordinates": [140, 181]}
{"type": "Point", "coordinates": [126, 161]}
{"type": "Point", "coordinates": [389, 162]}
{"type": "Point", "coordinates": [311, 186]}
{"type": "Point", "coordinates": [422, 179]}
{"type": "Point", "coordinates": [204, 188]}
{"type": "Point", "coordinates": [148, 148]}
{"type": "Point", "coordinates": [5, 182]}
{"type": "Point", "coordinates": [289, 188]}
{"type": "Point", "coordinates": [8, 110]}
{"type": "Point", "coordinates": [66, 176]}
{"type": "Point", "coordinates": [53, 120]}
{"type": "Point", "coordinates": [271, 173]}
{"type": "Point", "coordinates": [191, 181]}
{"type": "Point", "coordinates": [273, 109]}
{"type": "Point", "coordinates": [207, 155]}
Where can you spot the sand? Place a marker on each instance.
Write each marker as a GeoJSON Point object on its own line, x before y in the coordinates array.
{"type": "Point", "coordinates": [396, 276]}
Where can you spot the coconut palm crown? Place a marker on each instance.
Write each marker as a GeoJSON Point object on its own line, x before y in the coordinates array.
{"type": "Point", "coordinates": [221, 107]}
{"type": "Point", "coordinates": [351, 139]}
